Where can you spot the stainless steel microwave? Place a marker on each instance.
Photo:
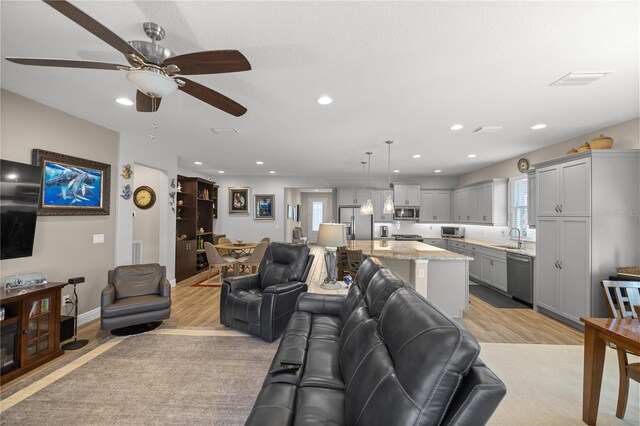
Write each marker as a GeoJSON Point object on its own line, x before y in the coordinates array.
{"type": "Point", "coordinates": [452, 231]}
{"type": "Point", "coordinates": [410, 213]}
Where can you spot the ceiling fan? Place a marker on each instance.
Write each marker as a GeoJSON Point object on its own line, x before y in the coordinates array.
{"type": "Point", "coordinates": [154, 70]}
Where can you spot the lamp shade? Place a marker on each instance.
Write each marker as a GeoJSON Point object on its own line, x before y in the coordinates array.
{"type": "Point", "coordinates": [152, 82]}
{"type": "Point", "coordinates": [332, 235]}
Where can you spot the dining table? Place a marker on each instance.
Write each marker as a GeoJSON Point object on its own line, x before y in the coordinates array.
{"type": "Point", "coordinates": [625, 334]}
{"type": "Point", "coordinates": [237, 250]}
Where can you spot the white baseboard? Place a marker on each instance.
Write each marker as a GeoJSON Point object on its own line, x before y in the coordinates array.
{"type": "Point", "coordinates": [89, 316]}
{"type": "Point", "coordinates": [173, 282]}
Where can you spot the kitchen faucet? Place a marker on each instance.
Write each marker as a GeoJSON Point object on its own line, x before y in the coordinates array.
{"type": "Point", "coordinates": [519, 236]}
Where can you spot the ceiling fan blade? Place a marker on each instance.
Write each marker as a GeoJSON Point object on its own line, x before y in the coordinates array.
{"type": "Point", "coordinates": [146, 103]}
{"type": "Point", "coordinates": [210, 62]}
{"type": "Point", "coordinates": [212, 97]}
{"type": "Point", "coordinates": [67, 63]}
{"type": "Point", "coordinates": [93, 26]}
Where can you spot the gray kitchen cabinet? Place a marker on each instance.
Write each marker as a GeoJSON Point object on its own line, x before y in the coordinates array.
{"type": "Point", "coordinates": [406, 195]}
{"type": "Point", "coordinates": [493, 268]}
{"type": "Point", "coordinates": [435, 206]}
{"type": "Point", "coordinates": [436, 243]}
{"type": "Point", "coordinates": [347, 197]}
{"type": "Point", "coordinates": [481, 203]}
{"type": "Point", "coordinates": [563, 266]}
{"type": "Point", "coordinates": [475, 267]}
{"type": "Point", "coordinates": [587, 224]}
{"type": "Point", "coordinates": [565, 189]}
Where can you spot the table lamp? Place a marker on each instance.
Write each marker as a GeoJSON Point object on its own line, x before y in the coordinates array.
{"type": "Point", "coordinates": [331, 236]}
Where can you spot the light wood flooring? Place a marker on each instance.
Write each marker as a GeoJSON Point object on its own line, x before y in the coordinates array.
{"type": "Point", "coordinates": [199, 307]}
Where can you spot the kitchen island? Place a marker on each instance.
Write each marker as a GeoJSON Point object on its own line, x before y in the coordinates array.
{"type": "Point", "coordinates": [441, 276]}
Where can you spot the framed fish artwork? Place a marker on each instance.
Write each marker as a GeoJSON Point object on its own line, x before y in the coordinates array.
{"type": "Point", "coordinates": [72, 186]}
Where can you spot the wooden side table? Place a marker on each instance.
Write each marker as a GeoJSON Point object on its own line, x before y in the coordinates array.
{"type": "Point", "coordinates": [314, 287]}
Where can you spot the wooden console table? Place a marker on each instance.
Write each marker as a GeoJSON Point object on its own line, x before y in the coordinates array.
{"type": "Point", "coordinates": [34, 314]}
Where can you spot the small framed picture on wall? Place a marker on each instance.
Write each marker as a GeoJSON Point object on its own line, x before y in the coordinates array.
{"type": "Point", "coordinates": [298, 213]}
{"type": "Point", "coordinates": [263, 206]}
{"type": "Point", "coordinates": [289, 211]}
{"type": "Point", "coordinates": [238, 200]}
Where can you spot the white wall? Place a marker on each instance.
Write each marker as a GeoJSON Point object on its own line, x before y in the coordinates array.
{"type": "Point", "coordinates": [146, 223]}
{"type": "Point", "coordinates": [626, 135]}
{"type": "Point", "coordinates": [292, 198]}
{"type": "Point", "coordinates": [139, 150]}
{"type": "Point", "coordinates": [63, 246]}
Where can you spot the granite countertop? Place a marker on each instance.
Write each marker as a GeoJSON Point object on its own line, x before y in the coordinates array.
{"type": "Point", "coordinates": [492, 245]}
{"type": "Point", "coordinates": [406, 250]}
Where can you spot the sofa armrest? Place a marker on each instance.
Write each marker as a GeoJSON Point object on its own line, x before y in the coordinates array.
{"type": "Point", "coordinates": [108, 296]}
{"type": "Point", "coordinates": [165, 288]}
{"type": "Point", "coordinates": [244, 282]}
{"type": "Point", "coordinates": [285, 287]}
{"type": "Point", "coordinates": [477, 397]}
{"type": "Point", "coordinates": [320, 304]}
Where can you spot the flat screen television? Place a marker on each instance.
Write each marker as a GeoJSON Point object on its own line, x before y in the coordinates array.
{"type": "Point", "coordinates": [19, 195]}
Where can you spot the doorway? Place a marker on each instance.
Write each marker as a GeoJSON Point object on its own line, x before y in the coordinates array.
{"type": "Point", "coordinates": [316, 215]}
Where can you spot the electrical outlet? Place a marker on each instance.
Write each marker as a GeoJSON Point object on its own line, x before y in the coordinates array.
{"type": "Point", "coordinates": [67, 301]}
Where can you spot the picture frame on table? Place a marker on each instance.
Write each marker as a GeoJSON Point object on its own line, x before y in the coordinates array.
{"type": "Point", "coordinates": [72, 186]}
{"type": "Point", "coordinates": [263, 206]}
{"type": "Point", "coordinates": [239, 200]}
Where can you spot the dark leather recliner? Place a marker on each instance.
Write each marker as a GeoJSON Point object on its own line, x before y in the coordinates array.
{"type": "Point", "coordinates": [261, 304]}
{"type": "Point", "coordinates": [135, 294]}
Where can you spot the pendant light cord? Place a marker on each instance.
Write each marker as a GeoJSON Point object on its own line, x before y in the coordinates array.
{"type": "Point", "coordinates": [369, 177]}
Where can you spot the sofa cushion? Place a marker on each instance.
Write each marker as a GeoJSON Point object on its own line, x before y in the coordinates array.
{"type": "Point", "coordinates": [366, 272]}
{"type": "Point", "coordinates": [274, 405]}
{"type": "Point", "coordinates": [283, 263]}
{"type": "Point", "coordinates": [136, 280]}
{"type": "Point", "coordinates": [135, 305]}
{"type": "Point", "coordinates": [380, 288]}
{"type": "Point", "coordinates": [322, 367]}
{"type": "Point", "coordinates": [244, 305]}
{"type": "Point", "coordinates": [325, 327]}
{"type": "Point", "coordinates": [320, 406]}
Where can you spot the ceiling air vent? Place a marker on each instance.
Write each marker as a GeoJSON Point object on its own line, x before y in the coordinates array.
{"type": "Point", "coordinates": [225, 130]}
{"type": "Point", "coordinates": [487, 129]}
{"type": "Point", "coordinates": [579, 78]}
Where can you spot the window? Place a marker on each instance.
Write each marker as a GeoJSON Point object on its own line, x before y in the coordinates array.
{"type": "Point", "coordinates": [518, 209]}
{"type": "Point", "coordinates": [317, 208]}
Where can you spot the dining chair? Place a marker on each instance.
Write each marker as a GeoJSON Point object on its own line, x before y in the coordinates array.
{"type": "Point", "coordinates": [267, 239]}
{"type": "Point", "coordinates": [216, 260]}
{"type": "Point", "coordinates": [252, 261]}
{"type": "Point", "coordinates": [224, 240]}
{"type": "Point", "coordinates": [354, 260]}
{"type": "Point", "coordinates": [621, 298]}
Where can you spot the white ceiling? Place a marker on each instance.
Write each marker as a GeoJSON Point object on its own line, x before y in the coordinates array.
{"type": "Point", "coordinates": [403, 71]}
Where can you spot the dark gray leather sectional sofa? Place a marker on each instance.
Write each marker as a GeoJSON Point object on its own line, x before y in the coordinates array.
{"type": "Point", "coordinates": [381, 356]}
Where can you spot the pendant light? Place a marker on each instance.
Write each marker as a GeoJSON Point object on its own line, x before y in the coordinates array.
{"type": "Point", "coordinates": [363, 206]}
{"type": "Point", "coordinates": [367, 206]}
{"type": "Point", "coordinates": [388, 202]}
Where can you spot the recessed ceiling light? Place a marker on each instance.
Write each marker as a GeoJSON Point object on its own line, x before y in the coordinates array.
{"type": "Point", "coordinates": [396, 171]}
{"type": "Point", "coordinates": [124, 101]}
{"type": "Point", "coordinates": [437, 171]}
{"type": "Point", "coordinates": [221, 171]}
{"type": "Point", "coordinates": [324, 100]}
{"type": "Point", "coordinates": [315, 190]}
{"type": "Point", "coordinates": [456, 127]}
{"type": "Point", "coordinates": [471, 156]}
{"type": "Point", "coordinates": [539, 126]}
{"type": "Point", "coordinates": [197, 163]}
{"type": "Point", "coordinates": [273, 172]}
{"type": "Point", "coordinates": [260, 163]}
{"type": "Point", "coordinates": [13, 176]}
{"type": "Point", "coordinates": [416, 156]}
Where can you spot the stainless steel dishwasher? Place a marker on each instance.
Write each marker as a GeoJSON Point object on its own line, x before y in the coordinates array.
{"type": "Point", "coordinates": [520, 277]}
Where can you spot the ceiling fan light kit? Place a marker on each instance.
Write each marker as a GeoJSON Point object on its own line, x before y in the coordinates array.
{"type": "Point", "coordinates": [152, 82]}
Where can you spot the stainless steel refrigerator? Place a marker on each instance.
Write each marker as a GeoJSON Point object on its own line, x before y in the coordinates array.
{"type": "Point", "coordinates": [359, 227]}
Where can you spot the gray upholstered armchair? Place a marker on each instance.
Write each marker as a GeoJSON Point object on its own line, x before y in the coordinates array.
{"type": "Point", "coordinates": [135, 294]}
{"type": "Point", "coordinates": [298, 236]}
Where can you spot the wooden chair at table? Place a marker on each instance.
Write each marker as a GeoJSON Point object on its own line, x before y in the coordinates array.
{"type": "Point", "coordinates": [622, 296]}
{"type": "Point", "coordinates": [267, 239]}
{"type": "Point", "coordinates": [354, 260]}
{"type": "Point", "coordinates": [252, 261]}
{"type": "Point", "coordinates": [216, 260]}
{"type": "Point", "coordinates": [342, 264]}
{"type": "Point", "coordinates": [225, 241]}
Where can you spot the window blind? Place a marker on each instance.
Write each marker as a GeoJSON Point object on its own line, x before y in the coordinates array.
{"type": "Point", "coordinates": [518, 208]}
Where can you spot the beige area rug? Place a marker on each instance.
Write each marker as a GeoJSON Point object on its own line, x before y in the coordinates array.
{"type": "Point", "coordinates": [544, 385]}
{"type": "Point", "coordinates": [165, 377]}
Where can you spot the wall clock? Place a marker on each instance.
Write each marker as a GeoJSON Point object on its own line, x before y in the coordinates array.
{"type": "Point", "coordinates": [523, 165]}
{"type": "Point", "coordinates": [144, 197]}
